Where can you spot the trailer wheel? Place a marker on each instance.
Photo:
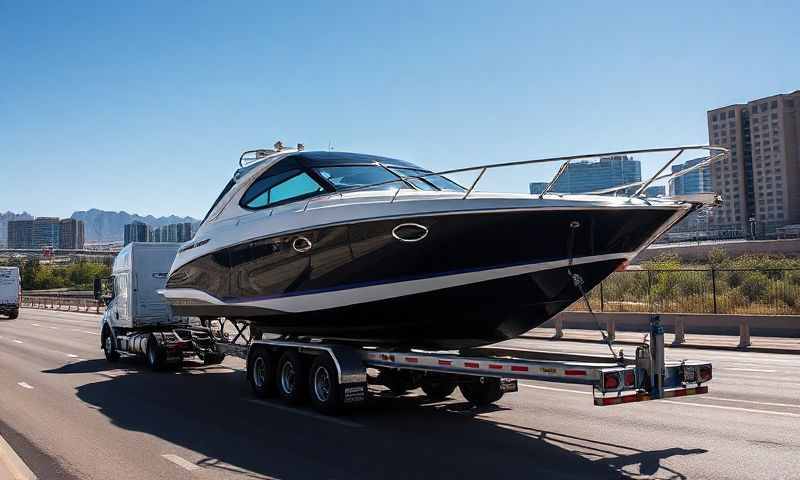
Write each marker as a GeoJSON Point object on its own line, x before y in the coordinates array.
{"type": "Point", "coordinates": [13, 315]}
{"type": "Point", "coordinates": [438, 389]}
{"type": "Point", "coordinates": [110, 350]}
{"type": "Point", "coordinates": [483, 392]}
{"type": "Point", "coordinates": [154, 354]}
{"type": "Point", "coordinates": [323, 386]}
{"type": "Point", "coordinates": [291, 377]}
{"type": "Point", "coordinates": [261, 373]}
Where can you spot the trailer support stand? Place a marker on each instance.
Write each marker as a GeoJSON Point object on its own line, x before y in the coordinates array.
{"type": "Point", "coordinates": [657, 363]}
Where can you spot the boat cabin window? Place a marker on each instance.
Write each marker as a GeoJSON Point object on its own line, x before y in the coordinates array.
{"type": "Point", "coordinates": [282, 188]}
{"type": "Point", "coordinates": [344, 177]}
{"type": "Point", "coordinates": [432, 182]}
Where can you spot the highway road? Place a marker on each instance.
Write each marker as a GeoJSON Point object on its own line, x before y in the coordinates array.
{"type": "Point", "coordinates": [69, 414]}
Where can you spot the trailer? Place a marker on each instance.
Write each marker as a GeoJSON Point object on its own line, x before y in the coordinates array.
{"type": "Point", "coordinates": [334, 376]}
{"type": "Point", "coordinates": [10, 292]}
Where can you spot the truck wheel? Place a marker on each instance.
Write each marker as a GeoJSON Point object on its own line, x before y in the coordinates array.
{"type": "Point", "coordinates": [13, 315]}
{"type": "Point", "coordinates": [213, 358]}
{"type": "Point", "coordinates": [154, 354]}
{"type": "Point", "coordinates": [291, 377]}
{"type": "Point", "coordinates": [112, 355]}
{"type": "Point", "coordinates": [323, 386]}
{"type": "Point", "coordinates": [482, 393]}
{"type": "Point", "coordinates": [438, 389]}
{"type": "Point", "coordinates": [261, 373]}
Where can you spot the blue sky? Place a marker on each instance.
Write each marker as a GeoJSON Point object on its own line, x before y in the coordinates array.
{"type": "Point", "coordinates": [145, 106]}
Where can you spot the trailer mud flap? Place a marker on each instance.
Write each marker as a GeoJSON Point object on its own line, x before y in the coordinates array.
{"type": "Point", "coordinates": [508, 385]}
{"type": "Point", "coordinates": [354, 393]}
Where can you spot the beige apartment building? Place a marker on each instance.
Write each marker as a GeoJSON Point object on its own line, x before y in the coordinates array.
{"type": "Point", "coordinates": [760, 182]}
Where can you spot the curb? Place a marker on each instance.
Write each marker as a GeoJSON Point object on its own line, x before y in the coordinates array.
{"type": "Point", "coordinates": [13, 464]}
{"type": "Point", "coordinates": [697, 346]}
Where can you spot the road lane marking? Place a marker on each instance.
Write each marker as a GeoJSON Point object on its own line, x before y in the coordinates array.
{"type": "Point", "coordinates": [181, 462]}
{"type": "Point", "coordinates": [772, 404]}
{"type": "Point", "coordinates": [317, 416]}
{"type": "Point", "coordinates": [748, 370]}
{"type": "Point", "coordinates": [91, 333]}
{"type": "Point", "coordinates": [17, 341]}
{"type": "Point", "coordinates": [35, 324]}
{"type": "Point", "coordinates": [54, 328]}
{"type": "Point", "coordinates": [25, 385]}
{"type": "Point", "coordinates": [539, 387]}
{"type": "Point", "coordinates": [736, 409]}
{"type": "Point", "coordinates": [72, 355]}
{"type": "Point", "coordinates": [18, 469]}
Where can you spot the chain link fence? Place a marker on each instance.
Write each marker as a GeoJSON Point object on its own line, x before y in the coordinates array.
{"type": "Point", "coordinates": [727, 291]}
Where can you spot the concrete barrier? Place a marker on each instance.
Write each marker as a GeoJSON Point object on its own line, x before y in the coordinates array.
{"type": "Point", "coordinates": [679, 323]}
{"type": "Point", "coordinates": [77, 304]}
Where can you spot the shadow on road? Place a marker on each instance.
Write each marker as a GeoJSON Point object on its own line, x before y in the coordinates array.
{"type": "Point", "coordinates": [393, 437]}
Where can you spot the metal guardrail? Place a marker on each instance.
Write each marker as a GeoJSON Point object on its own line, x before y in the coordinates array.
{"type": "Point", "coordinates": [63, 303]}
{"type": "Point", "coordinates": [706, 291]}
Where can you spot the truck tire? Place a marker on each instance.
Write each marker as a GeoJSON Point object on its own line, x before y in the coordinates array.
{"type": "Point", "coordinates": [323, 386]}
{"type": "Point", "coordinates": [261, 372]}
{"type": "Point", "coordinates": [291, 378]}
{"type": "Point", "coordinates": [154, 354]}
{"type": "Point", "coordinates": [210, 358]}
{"type": "Point", "coordinates": [110, 350]}
{"type": "Point", "coordinates": [13, 315]}
{"type": "Point", "coordinates": [438, 388]}
{"type": "Point", "coordinates": [482, 393]}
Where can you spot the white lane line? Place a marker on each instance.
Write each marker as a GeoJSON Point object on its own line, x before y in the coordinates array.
{"type": "Point", "coordinates": [35, 324]}
{"type": "Point", "coordinates": [181, 462]}
{"type": "Point", "coordinates": [554, 389]}
{"type": "Point", "coordinates": [17, 341]}
{"type": "Point", "coordinates": [748, 370]}
{"type": "Point", "coordinates": [8, 457]}
{"type": "Point", "coordinates": [72, 355]}
{"type": "Point", "coordinates": [91, 333]}
{"type": "Point", "coordinates": [772, 404]}
{"type": "Point", "coordinates": [316, 416]}
{"type": "Point", "coordinates": [736, 409]}
{"type": "Point", "coordinates": [25, 385]}
{"type": "Point", "coordinates": [54, 328]}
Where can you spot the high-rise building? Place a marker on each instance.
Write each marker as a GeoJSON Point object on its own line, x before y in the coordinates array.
{"type": "Point", "coordinates": [174, 232]}
{"type": "Point", "coordinates": [655, 191]}
{"type": "Point", "coordinates": [607, 172]}
{"type": "Point", "coordinates": [137, 232]}
{"type": "Point", "coordinates": [72, 234]}
{"type": "Point", "coordinates": [698, 180]}
{"type": "Point", "coordinates": [760, 182]}
{"type": "Point", "coordinates": [20, 234]}
{"type": "Point", "coordinates": [46, 232]}
{"type": "Point", "coordinates": [537, 187]}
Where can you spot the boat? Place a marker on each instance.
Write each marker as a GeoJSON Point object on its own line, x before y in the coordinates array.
{"type": "Point", "coordinates": [363, 248]}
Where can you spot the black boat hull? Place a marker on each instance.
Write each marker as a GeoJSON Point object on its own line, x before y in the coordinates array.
{"type": "Point", "coordinates": [474, 295]}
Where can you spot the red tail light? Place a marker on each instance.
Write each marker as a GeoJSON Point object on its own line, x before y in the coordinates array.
{"type": "Point", "coordinates": [630, 378]}
{"type": "Point", "coordinates": [611, 381]}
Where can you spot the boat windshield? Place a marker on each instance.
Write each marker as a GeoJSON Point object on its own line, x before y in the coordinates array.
{"type": "Point", "coordinates": [431, 182]}
{"type": "Point", "coordinates": [355, 176]}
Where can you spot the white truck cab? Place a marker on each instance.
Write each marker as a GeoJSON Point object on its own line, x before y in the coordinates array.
{"type": "Point", "coordinates": [10, 292]}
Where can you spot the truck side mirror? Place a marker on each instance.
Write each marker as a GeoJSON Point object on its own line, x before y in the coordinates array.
{"type": "Point", "coordinates": [98, 288]}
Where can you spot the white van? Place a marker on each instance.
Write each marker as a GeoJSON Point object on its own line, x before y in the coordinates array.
{"type": "Point", "coordinates": [10, 292]}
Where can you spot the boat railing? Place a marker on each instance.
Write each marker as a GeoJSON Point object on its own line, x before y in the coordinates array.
{"type": "Point", "coordinates": [715, 153]}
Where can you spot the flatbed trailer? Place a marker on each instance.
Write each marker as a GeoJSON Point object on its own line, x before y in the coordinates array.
{"type": "Point", "coordinates": [335, 376]}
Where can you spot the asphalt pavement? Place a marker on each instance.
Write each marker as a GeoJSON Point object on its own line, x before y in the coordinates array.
{"type": "Point", "coordinates": [67, 413]}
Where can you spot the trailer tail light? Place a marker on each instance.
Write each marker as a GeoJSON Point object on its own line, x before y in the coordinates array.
{"type": "Point", "coordinates": [630, 379]}
{"type": "Point", "coordinates": [610, 381]}
{"type": "Point", "coordinates": [705, 373]}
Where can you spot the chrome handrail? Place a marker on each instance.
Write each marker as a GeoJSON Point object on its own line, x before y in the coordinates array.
{"type": "Point", "coordinates": [567, 159]}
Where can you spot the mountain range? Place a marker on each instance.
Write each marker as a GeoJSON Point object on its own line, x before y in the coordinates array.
{"type": "Point", "coordinates": [104, 226]}
{"type": "Point", "coordinates": [101, 225]}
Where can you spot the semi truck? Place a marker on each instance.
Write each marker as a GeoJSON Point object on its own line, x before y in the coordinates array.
{"type": "Point", "coordinates": [334, 376]}
{"type": "Point", "coordinates": [10, 292]}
